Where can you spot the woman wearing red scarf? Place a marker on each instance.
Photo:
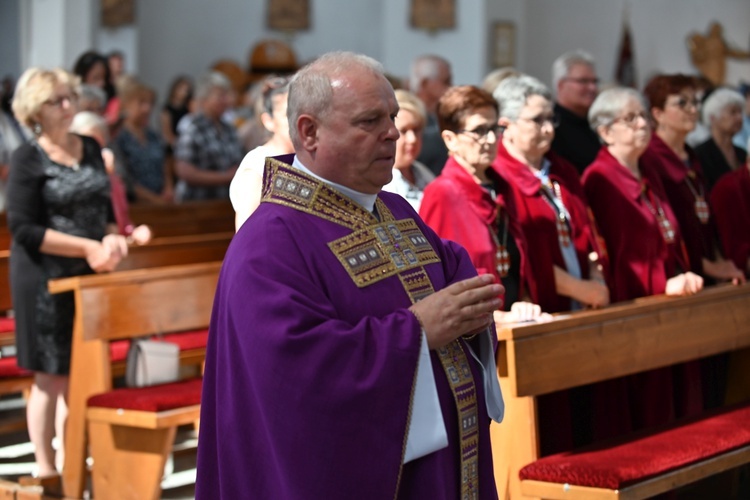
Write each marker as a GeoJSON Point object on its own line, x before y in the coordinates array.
{"type": "Point", "coordinates": [674, 108]}
{"type": "Point", "coordinates": [462, 203]}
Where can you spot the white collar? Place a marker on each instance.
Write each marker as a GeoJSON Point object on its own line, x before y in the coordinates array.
{"type": "Point", "coordinates": [363, 199]}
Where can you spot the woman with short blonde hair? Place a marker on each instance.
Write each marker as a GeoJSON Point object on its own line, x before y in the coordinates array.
{"type": "Point", "coordinates": [410, 176]}
{"type": "Point", "coordinates": [59, 215]}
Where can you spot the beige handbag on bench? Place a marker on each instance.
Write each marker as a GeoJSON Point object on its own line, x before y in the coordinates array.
{"type": "Point", "coordinates": [152, 362]}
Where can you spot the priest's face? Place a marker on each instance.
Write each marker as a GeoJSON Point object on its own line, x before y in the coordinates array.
{"type": "Point", "coordinates": [357, 137]}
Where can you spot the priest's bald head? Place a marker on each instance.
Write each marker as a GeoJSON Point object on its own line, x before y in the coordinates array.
{"type": "Point", "coordinates": [341, 120]}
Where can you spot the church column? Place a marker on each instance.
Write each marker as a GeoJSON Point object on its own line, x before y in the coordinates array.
{"type": "Point", "coordinates": [55, 32]}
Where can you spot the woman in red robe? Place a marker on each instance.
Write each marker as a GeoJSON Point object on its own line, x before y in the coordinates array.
{"type": "Point", "coordinates": [462, 203]}
{"type": "Point", "coordinates": [646, 253]}
{"type": "Point", "coordinates": [730, 201]}
{"type": "Point", "coordinates": [674, 108]}
{"type": "Point", "coordinates": [544, 195]}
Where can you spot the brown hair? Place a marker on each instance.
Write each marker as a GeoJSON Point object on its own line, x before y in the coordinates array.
{"type": "Point", "coordinates": [459, 102]}
{"type": "Point", "coordinates": [130, 88]}
{"type": "Point", "coordinates": [662, 86]}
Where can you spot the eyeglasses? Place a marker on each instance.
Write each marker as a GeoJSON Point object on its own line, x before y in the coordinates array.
{"type": "Point", "coordinates": [631, 119]}
{"type": "Point", "coordinates": [541, 120]}
{"type": "Point", "coordinates": [684, 102]}
{"type": "Point", "coordinates": [59, 100]}
{"type": "Point", "coordinates": [481, 133]}
{"type": "Point", "coordinates": [583, 81]}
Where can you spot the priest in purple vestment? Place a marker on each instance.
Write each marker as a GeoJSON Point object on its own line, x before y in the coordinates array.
{"type": "Point", "coordinates": [351, 350]}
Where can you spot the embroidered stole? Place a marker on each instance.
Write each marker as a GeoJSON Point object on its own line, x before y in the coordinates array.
{"type": "Point", "coordinates": [376, 250]}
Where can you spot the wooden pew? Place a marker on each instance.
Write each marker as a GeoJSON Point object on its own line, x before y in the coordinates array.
{"type": "Point", "coordinates": [165, 251]}
{"type": "Point", "coordinates": [188, 218]}
{"type": "Point", "coordinates": [123, 304]}
{"type": "Point", "coordinates": [593, 346]}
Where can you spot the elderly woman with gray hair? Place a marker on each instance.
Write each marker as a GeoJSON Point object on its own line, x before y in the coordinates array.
{"type": "Point", "coordinates": [722, 114]}
{"type": "Point", "coordinates": [640, 231]}
{"type": "Point", "coordinates": [544, 193]}
{"type": "Point", "coordinates": [646, 253]}
{"type": "Point", "coordinates": [208, 151]}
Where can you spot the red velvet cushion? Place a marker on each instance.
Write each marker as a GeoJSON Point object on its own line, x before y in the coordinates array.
{"type": "Point", "coordinates": [118, 350]}
{"type": "Point", "coordinates": [7, 325]}
{"type": "Point", "coordinates": [188, 340]}
{"type": "Point", "coordinates": [617, 464]}
{"type": "Point", "coordinates": [155, 398]}
{"type": "Point", "coordinates": [9, 368]}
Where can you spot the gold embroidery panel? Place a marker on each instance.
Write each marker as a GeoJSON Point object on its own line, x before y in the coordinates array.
{"type": "Point", "coordinates": [383, 250]}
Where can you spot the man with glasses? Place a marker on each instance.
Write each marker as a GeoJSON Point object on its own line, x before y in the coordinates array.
{"type": "Point", "coordinates": [576, 85]}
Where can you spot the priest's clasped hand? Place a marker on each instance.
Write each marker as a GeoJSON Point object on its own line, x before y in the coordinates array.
{"type": "Point", "coordinates": [463, 308]}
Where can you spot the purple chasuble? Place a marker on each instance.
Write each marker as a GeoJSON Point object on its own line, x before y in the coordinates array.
{"type": "Point", "coordinates": [312, 355]}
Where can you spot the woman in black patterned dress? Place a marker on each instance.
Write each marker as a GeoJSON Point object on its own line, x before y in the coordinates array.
{"type": "Point", "coordinates": [59, 215]}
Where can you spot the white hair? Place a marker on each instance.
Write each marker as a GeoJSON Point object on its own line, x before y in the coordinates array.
{"type": "Point", "coordinates": [426, 67]}
{"type": "Point", "coordinates": [310, 90]}
{"type": "Point", "coordinates": [608, 105]}
{"type": "Point", "coordinates": [513, 93]}
{"type": "Point", "coordinates": [718, 101]}
{"type": "Point", "coordinates": [84, 121]}
{"type": "Point", "coordinates": [210, 81]}
{"type": "Point", "coordinates": [561, 66]}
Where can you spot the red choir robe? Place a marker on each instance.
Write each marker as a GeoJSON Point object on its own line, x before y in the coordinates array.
{"type": "Point", "coordinates": [538, 222]}
{"type": "Point", "coordinates": [684, 185]}
{"type": "Point", "coordinates": [559, 411]}
{"type": "Point", "coordinates": [730, 201]}
{"type": "Point", "coordinates": [674, 174]}
{"type": "Point", "coordinates": [641, 263]}
{"type": "Point", "coordinates": [459, 209]}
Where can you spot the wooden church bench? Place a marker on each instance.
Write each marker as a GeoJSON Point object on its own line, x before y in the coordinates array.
{"type": "Point", "coordinates": [593, 346]}
{"type": "Point", "coordinates": [116, 306]}
{"type": "Point", "coordinates": [644, 464]}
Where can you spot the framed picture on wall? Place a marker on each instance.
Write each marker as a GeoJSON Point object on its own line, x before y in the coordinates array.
{"type": "Point", "coordinates": [117, 13]}
{"type": "Point", "coordinates": [503, 44]}
{"type": "Point", "coordinates": [288, 15]}
{"type": "Point", "coordinates": [433, 15]}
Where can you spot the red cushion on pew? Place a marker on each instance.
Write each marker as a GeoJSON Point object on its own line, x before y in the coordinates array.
{"type": "Point", "coordinates": [155, 398]}
{"type": "Point", "coordinates": [9, 368]}
{"type": "Point", "coordinates": [619, 463]}
{"type": "Point", "coordinates": [188, 340]}
{"type": "Point", "coordinates": [118, 350]}
{"type": "Point", "coordinates": [7, 325]}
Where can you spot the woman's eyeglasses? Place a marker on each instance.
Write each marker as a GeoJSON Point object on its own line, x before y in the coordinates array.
{"type": "Point", "coordinates": [631, 119]}
{"type": "Point", "coordinates": [686, 102]}
{"type": "Point", "coordinates": [541, 120]}
{"type": "Point", "coordinates": [481, 133]}
{"type": "Point", "coordinates": [59, 100]}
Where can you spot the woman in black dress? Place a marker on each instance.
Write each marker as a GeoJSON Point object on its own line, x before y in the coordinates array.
{"type": "Point", "coordinates": [59, 215]}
